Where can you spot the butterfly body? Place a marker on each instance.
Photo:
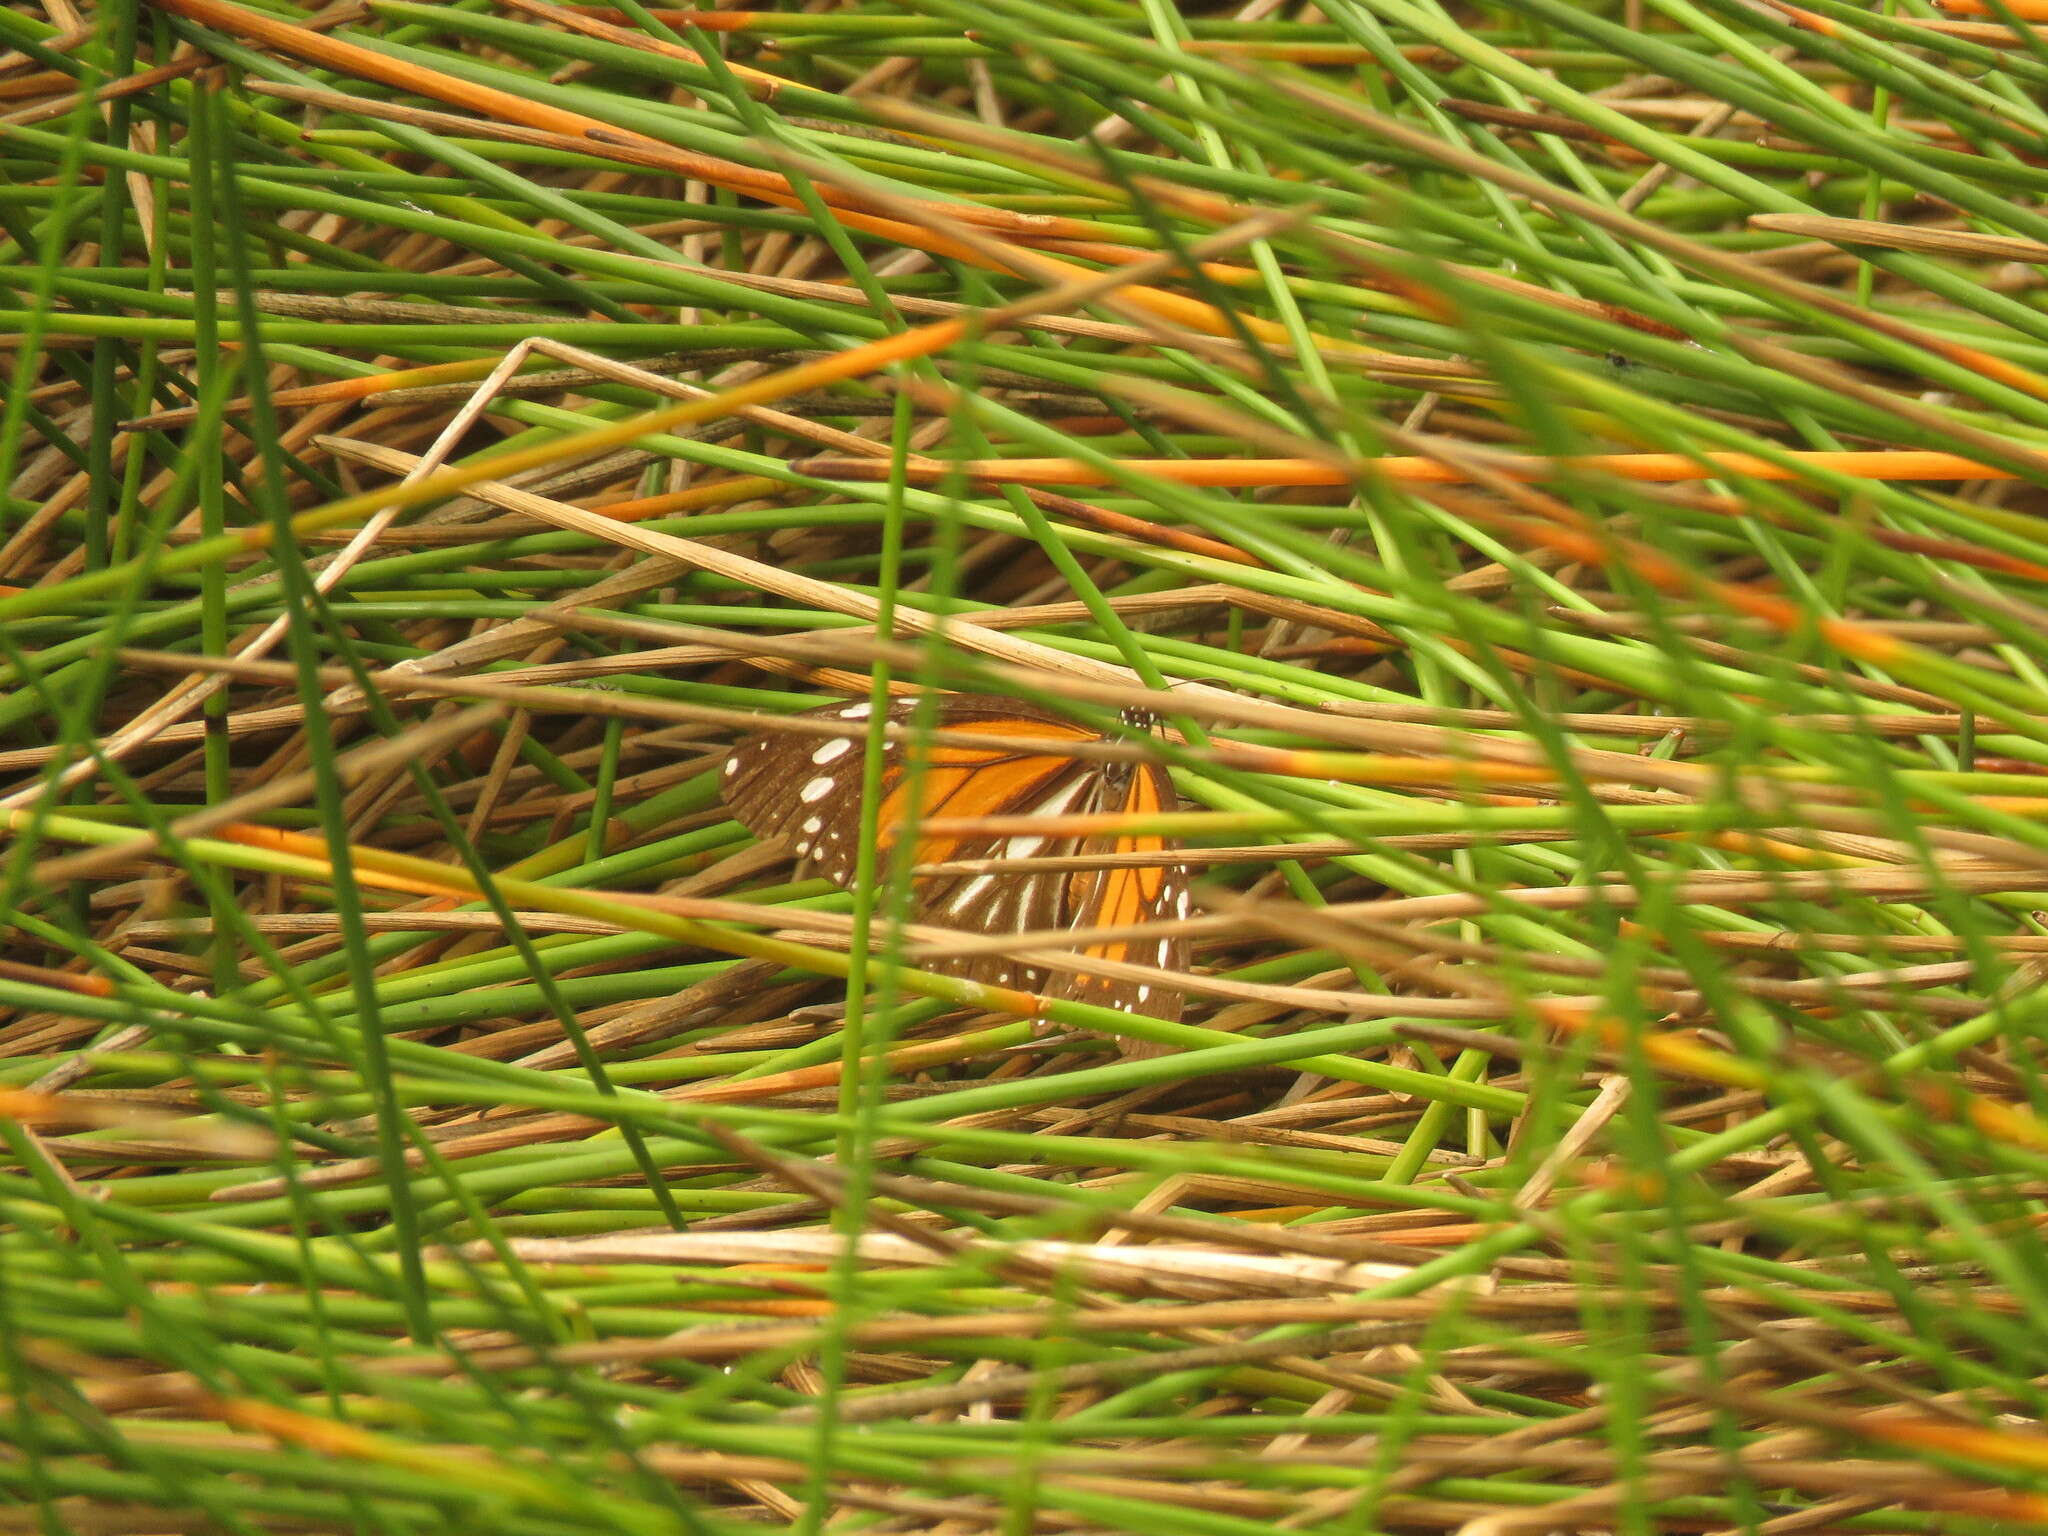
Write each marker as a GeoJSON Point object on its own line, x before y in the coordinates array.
{"type": "Point", "coordinates": [809, 792]}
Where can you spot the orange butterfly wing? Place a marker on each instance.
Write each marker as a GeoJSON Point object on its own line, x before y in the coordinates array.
{"type": "Point", "coordinates": [807, 791]}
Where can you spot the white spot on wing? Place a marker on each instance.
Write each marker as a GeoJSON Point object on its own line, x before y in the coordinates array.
{"type": "Point", "coordinates": [856, 711]}
{"type": "Point", "coordinates": [815, 790]}
{"type": "Point", "coordinates": [832, 751]}
{"type": "Point", "coordinates": [813, 825]}
{"type": "Point", "coordinates": [1056, 806]}
{"type": "Point", "coordinates": [969, 892]}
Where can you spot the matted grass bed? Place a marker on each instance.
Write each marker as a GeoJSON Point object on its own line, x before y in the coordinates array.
{"type": "Point", "coordinates": [1485, 973]}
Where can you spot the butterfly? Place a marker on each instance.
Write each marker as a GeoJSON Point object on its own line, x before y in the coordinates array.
{"type": "Point", "coordinates": [808, 791]}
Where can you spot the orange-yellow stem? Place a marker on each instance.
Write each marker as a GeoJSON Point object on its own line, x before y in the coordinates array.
{"type": "Point", "coordinates": [1879, 464]}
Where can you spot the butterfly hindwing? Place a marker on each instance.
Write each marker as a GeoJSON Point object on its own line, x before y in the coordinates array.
{"type": "Point", "coordinates": [1129, 894]}
{"type": "Point", "coordinates": [807, 790]}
